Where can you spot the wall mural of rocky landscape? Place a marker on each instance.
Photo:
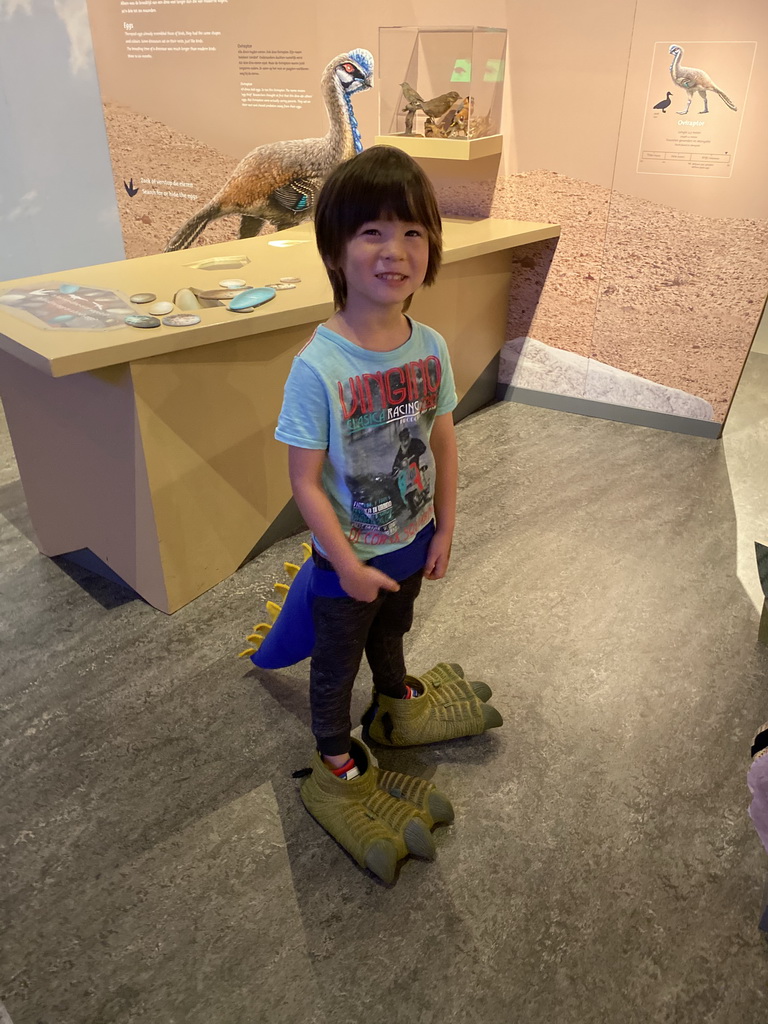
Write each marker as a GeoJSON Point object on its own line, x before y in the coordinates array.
{"type": "Point", "coordinates": [638, 128]}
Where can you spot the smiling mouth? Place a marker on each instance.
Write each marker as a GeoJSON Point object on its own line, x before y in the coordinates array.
{"type": "Point", "coordinates": [389, 276]}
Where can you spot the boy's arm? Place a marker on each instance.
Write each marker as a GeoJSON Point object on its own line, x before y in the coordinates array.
{"type": "Point", "coordinates": [305, 466]}
{"type": "Point", "coordinates": [442, 441]}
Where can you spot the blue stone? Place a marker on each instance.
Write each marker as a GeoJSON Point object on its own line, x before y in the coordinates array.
{"type": "Point", "coordinates": [252, 297]}
{"type": "Point", "coordinates": [62, 318]}
{"type": "Point", "coordinates": [68, 289]}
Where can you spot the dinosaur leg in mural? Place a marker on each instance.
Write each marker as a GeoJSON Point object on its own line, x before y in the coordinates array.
{"type": "Point", "coordinates": [250, 226]}
{"type": "Point", "coordinates": [186, 234]}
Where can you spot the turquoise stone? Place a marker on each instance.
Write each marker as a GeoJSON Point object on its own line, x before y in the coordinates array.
{"type": "Point", "coordinates": [251, 297]}
{"type": "Point", "coordinates": [68, 289]}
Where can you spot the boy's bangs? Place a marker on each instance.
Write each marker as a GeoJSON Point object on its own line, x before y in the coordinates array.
{"type": "Point", "coordinates": [400, 203]}
{"type": "Point", "coordinates": [403, 207]}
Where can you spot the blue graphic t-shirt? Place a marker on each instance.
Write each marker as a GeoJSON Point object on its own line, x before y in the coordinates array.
{"type": "Point", "coordinates": [373, 413]}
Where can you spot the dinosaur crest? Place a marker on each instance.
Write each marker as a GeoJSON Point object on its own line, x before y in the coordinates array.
{"type": "Point", "coordinates": [363, 60]}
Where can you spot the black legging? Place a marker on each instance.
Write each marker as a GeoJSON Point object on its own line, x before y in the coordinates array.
{"type": "Point", "coordinates": [344, 628]}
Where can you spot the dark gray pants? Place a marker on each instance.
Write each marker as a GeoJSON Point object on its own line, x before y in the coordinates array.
{"type": "Point", "coordinates": [344, 628]}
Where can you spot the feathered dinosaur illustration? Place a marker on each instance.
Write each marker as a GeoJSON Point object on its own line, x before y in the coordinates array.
{"type": "Point", "coordinates": [694, 80]}
{"type": "Point", "coordinates": [278, 182]}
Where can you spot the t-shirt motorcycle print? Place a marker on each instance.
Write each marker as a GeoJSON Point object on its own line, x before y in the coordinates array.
{"type": "Point", "coordinates": [387, 417]}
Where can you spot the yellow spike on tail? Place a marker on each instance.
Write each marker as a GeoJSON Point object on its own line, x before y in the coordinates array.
{"type": "Point", "coordinates": [273, 610]}
{"type": "Point", "coordinates": [261, 629]}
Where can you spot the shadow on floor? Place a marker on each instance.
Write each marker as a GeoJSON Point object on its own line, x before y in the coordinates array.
{"type": "Point", "coordinates": [109, 593]}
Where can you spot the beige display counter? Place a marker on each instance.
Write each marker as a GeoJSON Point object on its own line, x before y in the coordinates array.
{"type": "Point", "coordinates": [154, 449]}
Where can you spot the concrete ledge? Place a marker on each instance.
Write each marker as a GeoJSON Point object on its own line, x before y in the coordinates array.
{"type": "Point", "coordinates": [607, 411]}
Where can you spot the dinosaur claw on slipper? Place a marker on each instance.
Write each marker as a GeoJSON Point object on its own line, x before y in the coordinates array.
{"type": "Point", "coordinates": [491, 717]}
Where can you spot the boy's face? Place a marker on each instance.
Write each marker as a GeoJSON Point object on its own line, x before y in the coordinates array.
{"type": "Point", "coordinates": [384, 262]}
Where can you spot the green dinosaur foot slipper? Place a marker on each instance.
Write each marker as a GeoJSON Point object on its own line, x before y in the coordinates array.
{"type": "Point", "coordinates": [449, 706]}
{"type": "Point", "coordinates": [379, 817]}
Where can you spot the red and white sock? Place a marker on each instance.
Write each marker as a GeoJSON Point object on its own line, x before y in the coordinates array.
{"type": "Point", "coordinates": [348, 770]}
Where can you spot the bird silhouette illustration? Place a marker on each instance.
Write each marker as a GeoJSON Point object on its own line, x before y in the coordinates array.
{"type": "Point", "coordinates": [663, 104]}
{"type": "Point", "coordinates": [129, 188]}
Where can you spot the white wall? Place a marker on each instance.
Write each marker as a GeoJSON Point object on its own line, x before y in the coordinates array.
{"type": "Point", "coordinates": [57, 200]}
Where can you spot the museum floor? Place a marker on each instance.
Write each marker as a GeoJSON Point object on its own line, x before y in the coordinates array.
{"type": "Point", "coordinates": [159, 867]}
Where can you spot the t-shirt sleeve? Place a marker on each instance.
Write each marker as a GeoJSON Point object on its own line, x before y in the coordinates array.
{"type": "Point", "coordinates": [304, 420]}
{"type": "Point", "coordinates": [447, 399]}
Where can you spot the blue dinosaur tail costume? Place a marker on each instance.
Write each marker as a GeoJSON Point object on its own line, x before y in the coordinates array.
{"type": "Point", "coordinates": [290, 635]}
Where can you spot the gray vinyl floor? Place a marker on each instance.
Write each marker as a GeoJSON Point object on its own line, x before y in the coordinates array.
{"type": "Point", "coordinates": [158, 866]}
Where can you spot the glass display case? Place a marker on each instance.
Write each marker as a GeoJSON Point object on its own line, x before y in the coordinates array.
{"type": "Point", "coordinates": [440, 89]}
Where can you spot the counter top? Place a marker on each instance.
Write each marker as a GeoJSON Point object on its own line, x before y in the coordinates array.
{"type": "Point", "coordinates": [259, 261]}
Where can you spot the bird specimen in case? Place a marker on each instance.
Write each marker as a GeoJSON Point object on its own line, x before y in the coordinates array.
{"type": "Point", "coordinates": [432, 109]}
{"type": "Point", "coordinates": [437, 106]}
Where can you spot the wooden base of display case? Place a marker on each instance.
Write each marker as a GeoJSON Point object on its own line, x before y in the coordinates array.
{"type": "Point", "coordinates": [421, 148]}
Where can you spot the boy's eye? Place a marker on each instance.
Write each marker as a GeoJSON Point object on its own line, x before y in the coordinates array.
{"type": "Point", "coordinates": [370, 231]}
{"type": "Point", "coordinates": [416, 232]}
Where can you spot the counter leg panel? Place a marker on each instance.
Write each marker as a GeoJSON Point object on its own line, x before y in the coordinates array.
{"type": "Point", "coordinates": [82, 469]}
{"type": "Point", "coordinates": [217, 477]}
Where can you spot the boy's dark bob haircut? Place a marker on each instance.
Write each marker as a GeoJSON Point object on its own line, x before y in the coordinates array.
{"type": "Point", "coordinates": [378, 184]}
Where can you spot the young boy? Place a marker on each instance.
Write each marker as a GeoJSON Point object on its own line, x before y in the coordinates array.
{"type": "Point", "coordinates": [373, 467]}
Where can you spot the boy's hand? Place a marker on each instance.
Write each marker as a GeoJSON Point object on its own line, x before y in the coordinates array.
{"type": "Point", "coordinates": [438, 556]}
{"type": "Point", "coordinates": [363, 583]}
